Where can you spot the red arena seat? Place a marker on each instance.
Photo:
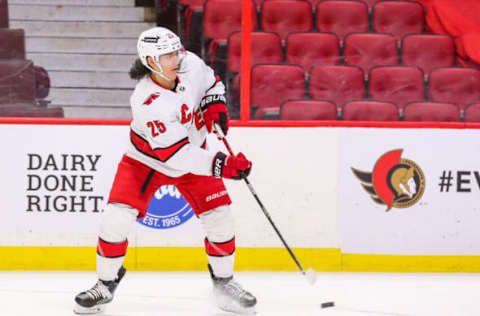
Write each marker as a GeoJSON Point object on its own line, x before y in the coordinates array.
{"type": "Point", "coordinates": [306, 49]}
{"type": "Point", "coordinates": [472, 112]}
{"type": "Point", "coordinates": [284, 16]}
{"type": "Point", "coordinates": [4, 14]}
{"type": "Point", "coordinates": [220, 18]}
{"type": "Point", "coordinates": [191, 4]}
{"type": "Point", "coordinates": [17, 81]}
{"type": "Point", "coordinates": [428, 51]}
{"type": "Point", "coordinates": [271, 84]}
{"type": "Point", "coordinates": [342, 16]}
{"type": "Point", "coordinates": [12, 44]}
{"type": "Point", "coordinates": [184, 12]}
{"type": "Point", "coordinates": [454, 84]}
{"type": "Point", "coordinates": [266, 47]}
{"type": "Point", "coordinates": [337, 83]}
{"type": "Point", "coordinates": [431, 112]}
{"type": "Point", "coordinates": [370, 49]}
{"type": "Point", "coordinates": [398, 17]}
{"type": "Point", "coordinates": [306, 110]}
{"type": "Point", "coordinates": [370, 110]}
{"type": "Point", "coordinates": [42, 82]}
{"type": "Point", "coordinates": [398, 84]}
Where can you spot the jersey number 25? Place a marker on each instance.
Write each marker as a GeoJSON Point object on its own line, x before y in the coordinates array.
{"type": "Point", "coordinates": [156, 127]}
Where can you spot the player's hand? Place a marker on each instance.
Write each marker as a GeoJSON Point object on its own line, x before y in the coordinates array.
{"type": "Point", "coordinates": [231, 167]}
{"type": "Point", "coordinates": [215, 110]}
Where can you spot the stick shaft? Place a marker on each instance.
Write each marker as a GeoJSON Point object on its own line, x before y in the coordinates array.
{"type": "Point", "coordinates": [264, 210]}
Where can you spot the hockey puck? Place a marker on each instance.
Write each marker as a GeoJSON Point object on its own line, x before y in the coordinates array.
{"type": "Point", "coordinates": [327, 304]}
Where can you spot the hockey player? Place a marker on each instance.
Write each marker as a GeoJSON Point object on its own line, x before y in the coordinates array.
{"type": "Point", "coordinates": [176, 102]}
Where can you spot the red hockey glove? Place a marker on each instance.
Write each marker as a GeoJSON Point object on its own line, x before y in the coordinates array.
{"type": "Point", "coordinates": [214, 110]}
{"type": "Point", "coordinates": [231, 167]}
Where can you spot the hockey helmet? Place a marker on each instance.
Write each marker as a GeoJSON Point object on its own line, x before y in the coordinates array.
{"type": "Point", "coordinates": [155, 42]}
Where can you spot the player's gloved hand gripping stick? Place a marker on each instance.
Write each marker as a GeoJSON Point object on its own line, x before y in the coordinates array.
{"type": "Point", "coordinates": [310, 273]}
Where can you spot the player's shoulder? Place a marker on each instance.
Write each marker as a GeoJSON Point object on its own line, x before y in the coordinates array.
{"type": "Point", "coordinates": [191, 62]}
{"type": "Point", "coordinates": [146, 93]}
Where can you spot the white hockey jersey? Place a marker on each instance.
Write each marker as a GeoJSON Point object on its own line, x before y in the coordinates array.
{"type": "Point", "coordinates": [168, 130]}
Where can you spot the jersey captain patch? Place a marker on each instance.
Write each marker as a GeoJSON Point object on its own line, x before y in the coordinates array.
{"type": "Point", "coordinates": [186, 115]}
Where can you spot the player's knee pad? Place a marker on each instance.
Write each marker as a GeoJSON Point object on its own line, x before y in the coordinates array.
{"type": "Point", "coordinates": [218, 224]}
{"type": "Point", "coordinates": [117, 221]}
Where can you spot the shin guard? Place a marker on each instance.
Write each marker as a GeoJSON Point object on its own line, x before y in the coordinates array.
{"type": "Point", "coordinates": [117, 221]}
{"type": "Point", "coordinates": [220, 240]}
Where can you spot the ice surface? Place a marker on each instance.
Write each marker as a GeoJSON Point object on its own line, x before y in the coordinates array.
{"type": "Point", "coordinates": [279, 293]}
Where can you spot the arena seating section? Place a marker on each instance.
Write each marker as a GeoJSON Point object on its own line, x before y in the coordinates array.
{"type": "Point", "coordinates": [310, 60]}
{"type": "Point", "coordinates": [335, 59]}
{"type": "Point", "coordinates": [23, 85]}
{"type": "Point", "coordinates": [472, 112]}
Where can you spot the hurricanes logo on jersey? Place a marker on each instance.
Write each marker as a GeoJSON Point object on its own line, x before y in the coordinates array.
{"type": "Point", "coordinates": [151, 98]}
{"type": "Point", "coordinates": [394, 181]}
{"type": "Point", "coordinates": [167, 209]}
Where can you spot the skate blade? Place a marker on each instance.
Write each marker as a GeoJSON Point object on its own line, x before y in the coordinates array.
{"type": "Point", "coordinates": [78, 309]}
{"type": "Point", "coordinates": [240, 310]}
{"type": "Point", "coordinates": [228, 305]}
{"type": "Point", "coordinates": [234, 307]}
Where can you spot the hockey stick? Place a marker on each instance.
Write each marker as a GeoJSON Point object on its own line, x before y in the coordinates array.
{"type": "Point", "coordinates": [310, 273]}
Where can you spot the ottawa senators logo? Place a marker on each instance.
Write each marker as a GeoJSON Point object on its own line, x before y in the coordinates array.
{"type": "Point", "coordinates": [394, 181]}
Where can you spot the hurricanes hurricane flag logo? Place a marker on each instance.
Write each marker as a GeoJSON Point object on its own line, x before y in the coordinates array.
{"type": "Point", "coordinates": [394, 181]}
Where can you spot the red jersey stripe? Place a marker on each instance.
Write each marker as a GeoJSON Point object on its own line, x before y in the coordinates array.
{"type": "Point", "coordinates": [162, 154]}
{"type": "Point", "coordinates": [220, 249]}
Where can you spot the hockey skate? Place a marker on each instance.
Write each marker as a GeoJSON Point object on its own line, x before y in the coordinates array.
{"type": "Point", "coordinates": [231, 297]}
{"type": "Point", "coordinates": [93, 301]}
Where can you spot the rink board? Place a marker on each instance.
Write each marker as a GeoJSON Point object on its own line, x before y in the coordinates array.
{"type": "Point", "coordinates": [57, 179]}
{"type": "Point", "coordinates": [441, 215]}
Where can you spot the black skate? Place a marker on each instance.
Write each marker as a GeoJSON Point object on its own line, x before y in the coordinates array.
{"type": "Point", "coordinates": [93, 301]}
{"type": "Point", "coordinates": [231, 297]}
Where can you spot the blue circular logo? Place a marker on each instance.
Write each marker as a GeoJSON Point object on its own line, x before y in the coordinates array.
{"type": "Point", "coordinates": [167, 209]}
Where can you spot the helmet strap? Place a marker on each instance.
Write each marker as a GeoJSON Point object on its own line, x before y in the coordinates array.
{"type": "Point", "coordinates": [158, 72]}
{"type": "Point", "coordinates": [157, 62]}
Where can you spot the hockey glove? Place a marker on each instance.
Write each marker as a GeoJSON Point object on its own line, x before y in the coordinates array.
{"type": "Point", "coordinates": [214, 110]}
{"type": "Point", "coordinates": [231, 167]}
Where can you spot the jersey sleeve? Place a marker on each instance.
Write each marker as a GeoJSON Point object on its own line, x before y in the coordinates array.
{"type": "Point", "coordinates": [167, 142]}
{"type": "Point", "coordinates": [213, 83]}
